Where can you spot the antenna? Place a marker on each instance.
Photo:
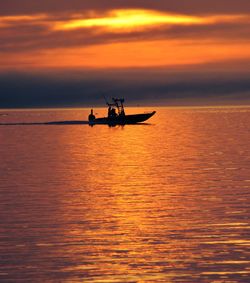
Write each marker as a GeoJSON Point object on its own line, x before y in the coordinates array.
{"type": "Point", "coordinates": [105, 99]}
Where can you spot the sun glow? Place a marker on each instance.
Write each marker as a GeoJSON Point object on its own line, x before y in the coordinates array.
{"type": "Point", "coordinates": [118, 19]}
{"type": "Point", "coordinates": [137, 19]}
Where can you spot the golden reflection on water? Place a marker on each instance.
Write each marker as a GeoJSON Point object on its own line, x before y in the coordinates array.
{"type": "Point", "coordinates": [144, 203]}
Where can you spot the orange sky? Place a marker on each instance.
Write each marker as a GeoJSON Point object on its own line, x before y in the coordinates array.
{"type": "Point", "coordinates": [157, 53]}
{"type": "Point", "coordinates": [121, 38]}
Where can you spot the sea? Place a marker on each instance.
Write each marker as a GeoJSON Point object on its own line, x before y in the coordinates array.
{"type": "Point", "coordinates": [167, 200]}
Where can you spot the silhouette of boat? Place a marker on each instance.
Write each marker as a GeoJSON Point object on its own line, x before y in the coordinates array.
{"type": "Point", "coordinates": [119, 117]}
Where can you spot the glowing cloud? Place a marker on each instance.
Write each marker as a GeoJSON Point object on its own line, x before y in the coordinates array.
{"type": "Point", "coordinates": [7, 21]}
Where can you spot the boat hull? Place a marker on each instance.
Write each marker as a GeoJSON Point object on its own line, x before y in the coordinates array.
{"type": "Point", "coordinates": [123, 120]}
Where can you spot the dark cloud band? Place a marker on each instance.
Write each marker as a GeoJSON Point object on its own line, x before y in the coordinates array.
{"type": "Point", "coordinates": [157, 87]}
{"type": "Point", "coordinates": [17, 7]}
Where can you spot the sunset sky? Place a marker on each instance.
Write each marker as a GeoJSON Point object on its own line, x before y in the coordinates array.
{"type": "Point", "coordinates": [180, 47]}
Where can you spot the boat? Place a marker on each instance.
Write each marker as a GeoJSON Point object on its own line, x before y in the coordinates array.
{"type": "Point", "coordinates": [117, 116]}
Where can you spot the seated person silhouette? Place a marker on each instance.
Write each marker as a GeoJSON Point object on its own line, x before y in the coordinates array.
{"type": "Point", "coordinates": [91, 116]}
{"type": "Point", "coordinates": [112, 113]}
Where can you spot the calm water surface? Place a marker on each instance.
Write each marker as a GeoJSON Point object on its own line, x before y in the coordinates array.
{"type": "Point", "coordinates": [161, 202]}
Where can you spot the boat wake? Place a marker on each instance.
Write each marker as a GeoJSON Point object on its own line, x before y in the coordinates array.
{"type": "Point", "coordinates": [57, 123]}
{"type": "Point", "coordinates": [46, 123]}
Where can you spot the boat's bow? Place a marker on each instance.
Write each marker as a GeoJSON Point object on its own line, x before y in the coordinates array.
{"type": "Point", "coordinates": [138, 118]}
